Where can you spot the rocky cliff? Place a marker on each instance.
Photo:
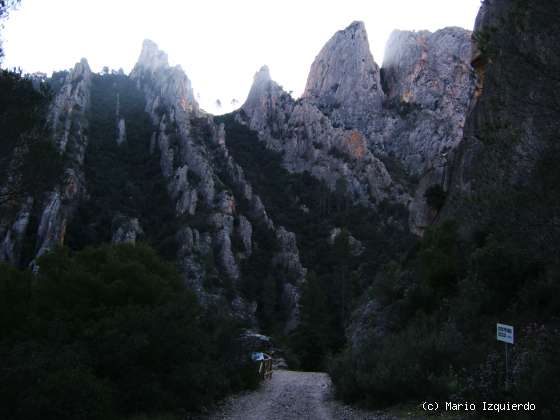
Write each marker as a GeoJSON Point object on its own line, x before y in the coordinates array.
{"type": "Point", "coordinates": [384, 143]}
{"type": "Point", "coordinates": [429, 82]}
{"type": "Point", "coordinates": [504, 165]}
{"type": "Point", "coordinates": [68, 119]}
{"type": "Point", "coordinates": [311, 142]}
{"type": "Point", "coordinates": [205, 183]}
{"type": "Point", "coordinates": [344, 79]}
{"type": "Point", "coordinates": [372, 140]}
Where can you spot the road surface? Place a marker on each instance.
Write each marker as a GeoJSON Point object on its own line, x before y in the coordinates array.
{"type": "Point", "coordinates": [292, 395]}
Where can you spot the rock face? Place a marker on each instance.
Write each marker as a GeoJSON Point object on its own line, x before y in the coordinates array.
{"type": "Point", "coordinates": [13, 233]}
{"type": "Point", "coordinates": [69, 108]}
{"type": "Point", "coordinates": [429, 83]}
{"type": "Point", "coordinates": [344, 80]}
{"type": "Point", "coordinates": [126, 230]}
{"type": "Point", "coordinates": [502, 175]}
{"type": "Point", "coordinates": [70, 124]}
{"type": "Point", "coordinates": [310, 142]}
{"type": "Point", "coordinates": [375, 137]}
{"type": "Point", "coordinates": [346, 128]}
{"type": "Point", "coordinates": [68, 119]}
{"type": "Point", "coordinates": [506, 162]}
{"type": "Point", "coordinates": [121, 131]}
{"type": "Point", "coordinates": [201, 176]}
{"type": "Point", "coordinates": [356, 247]}
{"type": "Point", "coordinates": [175, 86]}
{"type": "Point", "coordinates": [267, 107]}
{"type": "Point", "coordinates": [183, 136]}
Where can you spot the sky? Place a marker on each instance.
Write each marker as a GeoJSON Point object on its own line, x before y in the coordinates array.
{"type": "Point", "coordinates": [219, 43]}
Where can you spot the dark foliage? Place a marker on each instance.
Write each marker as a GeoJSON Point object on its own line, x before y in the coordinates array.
{"type": "Point", "coordinates": [110, 332]}
{"type": "Point", "coordinates": [29, 162]}
{"type": "Point", "coordinates": [122, 179]}
{"type": "Point", "coordinates": [435, 197]}
{"type": "Point", "coordinates": [438, 311]}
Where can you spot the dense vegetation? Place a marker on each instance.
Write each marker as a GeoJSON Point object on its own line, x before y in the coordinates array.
{"type": "Point", "coordinates": [338, 274]}
{"type": "Point", "coordinates": [108, 332]}
{"type": "Point", "coordinates": [28, 163]}
{"type": "Point", "coordinates": [123, 180]}
{"type": "Point", "coordinates": [433, 332]}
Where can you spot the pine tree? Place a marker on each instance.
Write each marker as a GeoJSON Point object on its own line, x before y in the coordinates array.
{"type": "Point", "coordinates": [311, 337]}
{"type": "Point", "coordinates": [267, 304]}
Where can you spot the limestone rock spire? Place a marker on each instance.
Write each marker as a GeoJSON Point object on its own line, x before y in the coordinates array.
{"type": "Point", "coordinates": [151, 57]}
{"type": "Point", "coordinates": [169, 85]}
{"type": "Point", "coordinates": [344, 79]}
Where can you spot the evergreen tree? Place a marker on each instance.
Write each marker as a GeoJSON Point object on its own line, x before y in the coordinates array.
{"type": "Point", "coordinates": [268, 303]}
{"type": "Point", "coordinates": [312, 336]}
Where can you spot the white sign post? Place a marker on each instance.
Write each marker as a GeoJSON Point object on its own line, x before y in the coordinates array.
{"type": "Point", "coordinates": [505, 333]}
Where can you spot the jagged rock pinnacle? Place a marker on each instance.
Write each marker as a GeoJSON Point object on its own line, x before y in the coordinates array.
{"type": "Point", "coordinates": [263, 87]}
{"type": "Point", "coordinates": [152, 57]}
{"type": "Point", "coordinates": [263, 74]}
{"type": "Point", "coordinates": [163, 82]}
{"type": "Point", "coordinates": [266, 101]}
{"type": "Point", "coordinates": [80, 70]}
{"type": "Point", "coordinates": [344, 78]}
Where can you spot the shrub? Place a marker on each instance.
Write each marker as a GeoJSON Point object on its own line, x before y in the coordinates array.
{"type": "Point", "coordinates": [413, 363]}
{"type": "Point", "coordinates": [111, 331]}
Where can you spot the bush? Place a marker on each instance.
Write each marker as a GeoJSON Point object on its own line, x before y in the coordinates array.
{"type": "Point", "coordinates": [413, 363]}
{"type": "Point", "coordinates": [111, 331]}
{"type": "Point", "coordinates": [438, 258]}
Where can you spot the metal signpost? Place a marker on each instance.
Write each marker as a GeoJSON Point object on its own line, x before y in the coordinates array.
{"type": "Point", "coordinates": [505, 333]}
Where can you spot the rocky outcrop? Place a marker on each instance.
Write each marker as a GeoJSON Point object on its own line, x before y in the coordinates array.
{"type": "Point", "coordinates": [506, 163]}
{"type": "Point", "coordinates": [13, 233]}
{"type": "Point", "coordinates": [171, 84]}
{"type": "Point", "coordinates": [126, 230]}
{"type": "Point", "coordinates": [69, 124]}
{"type": "Point", "coordinates": [356, 247]}
{"type": "Point", "coordinates": [195, 248]}
{"type": "Point", "coordinates": [344, 80]}
{"type": "Point", "coordinates": [379, 138]}
{"type": "Point", "coordinates": [121, 131]}
{"type": "Point", "coordinates": [267, 106]}
{"type": "Point", "coordinates": [287, 258]}
{"type": "Point", "coordinates": [68, 117]}
{"type": "Point", "coordinates": [121, 123]}
{"type": "Point", "coordinates": [346, 127]}
{"type": "Point", "coordinates": [245, 232]}
{"type": "Point", "coordinates": [183, 137]}
{"type": "Point", "coordinates": [310, 142]}
{"type": "Point", "coordinates": [222, 223]}
{"type": "Point", "coordinates": [429, 83]}
{"type": "Point", "coordinates": [68, 112]}
{"type": "Point", "coordinates": [201, 177]}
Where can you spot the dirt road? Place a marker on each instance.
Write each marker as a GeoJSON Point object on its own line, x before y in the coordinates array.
{"type": "Point", "coordinates": [292, 395]}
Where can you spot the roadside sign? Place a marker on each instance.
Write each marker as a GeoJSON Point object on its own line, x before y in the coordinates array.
{"type": "Point", "coordinates": [504, 333]}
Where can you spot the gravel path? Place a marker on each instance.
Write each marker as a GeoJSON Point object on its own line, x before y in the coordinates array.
{"type": "Point", "coordinates": [292, 395]}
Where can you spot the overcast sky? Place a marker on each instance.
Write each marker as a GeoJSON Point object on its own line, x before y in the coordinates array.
{"type": "Point", "coordinates": [219, 43]}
